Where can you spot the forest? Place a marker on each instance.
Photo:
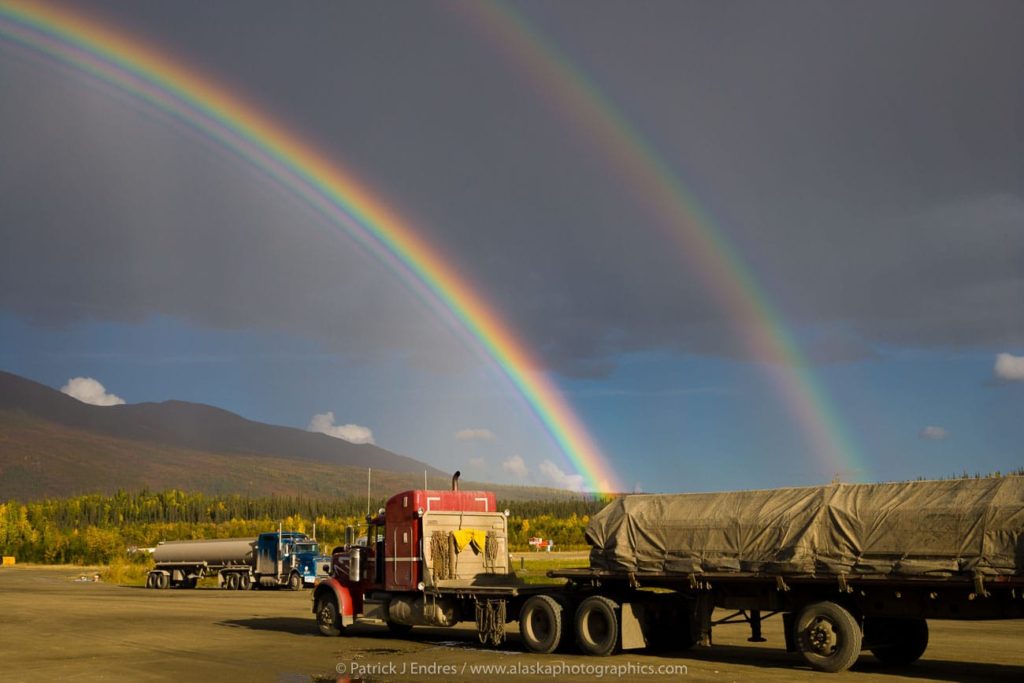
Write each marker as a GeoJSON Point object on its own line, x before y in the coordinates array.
{"type": "Point", "coordinates": [97, 529]}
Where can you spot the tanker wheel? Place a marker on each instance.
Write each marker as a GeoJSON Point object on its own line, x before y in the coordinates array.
{"type": "Point", "coordinates": [905, 640]}
{"type": "Point", "coordinates": [151, 580]}
{"type": "Point", "coordinates": [327, 618]}
{"type": "Point", "coordinates": [597, 626]}
{"type": "Point", "coordinates": [231, 582]}
{"type": "Point", "coordinates": [827, 636]}
{"type": "Point", "coordinates": [295, 582]}
{"type": "Point", "coordinates": [163, 580]}
{"type": "Point", "coordinates": [244, 582]}
{"type": "Point", "coordinates": [398, 629]}
{"type": "Point", "coordinates": [540, 624]}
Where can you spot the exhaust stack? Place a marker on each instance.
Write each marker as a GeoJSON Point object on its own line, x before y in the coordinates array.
{"type": "Point", "coordinates": [455, 480]}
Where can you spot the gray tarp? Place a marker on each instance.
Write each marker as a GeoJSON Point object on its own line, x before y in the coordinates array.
{"type": "Point", "coordinates": [902, 528]}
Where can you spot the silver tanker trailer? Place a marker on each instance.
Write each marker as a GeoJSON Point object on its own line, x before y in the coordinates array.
{"type": "Point", "coordinates": [272, 559]}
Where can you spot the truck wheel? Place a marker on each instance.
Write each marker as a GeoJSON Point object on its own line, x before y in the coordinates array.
{"type": "Point", "coordinates": [540, 624]}
{"type": "Point", "coordinates": [905, 640]}
{"type": "Point", "coordinates": [828, 636]}
{"type": "Point", "coordinates": [231, 581]}
{"type": "Point", "coordinates": [151, 580]}
{"type": "Point", "coordinates": [163, 580]}
{"type": "Point", "coordinates": [295, 582]}
{"type": "Point", "coordinates": [597, 626]}
{"type": "Point", "coordinates": [244, 582]}
{"type": "Point", "coordinates": [327, 618]}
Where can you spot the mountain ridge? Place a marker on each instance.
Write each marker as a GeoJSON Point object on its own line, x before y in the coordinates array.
{"type": "Point", "coordinates": [195, 426]}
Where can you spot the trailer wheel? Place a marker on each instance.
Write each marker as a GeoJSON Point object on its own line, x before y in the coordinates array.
{"type": "Point", "coordinates": [827, 636]}
{"type": "Point", "coordinates": [327, 619]}
{"type": "Point", "coordinates": [905, 640]}
{"type": "Point", "coordinates": [540, 624]}
{"type": "Point", "coordinates": [244, 582]}
{"type": "Point", "coordinates": [231, 581]}
{"type": "Point", "coordinates": [150, 580]}
{"type": "Point", "coordinates": [597, 626]}
{"type": "Point", "coordinates": [295, 582]}
{"type": "Point", "coordinates": [162, 580]}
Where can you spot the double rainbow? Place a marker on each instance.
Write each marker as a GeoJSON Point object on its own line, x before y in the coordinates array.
{"type": "Point", "coordinates": [198, 102]}
{"type": "Point", "coordinates": [678, 211]}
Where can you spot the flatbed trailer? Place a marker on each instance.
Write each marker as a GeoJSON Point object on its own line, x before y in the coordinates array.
{"type": "Point", "coordinates": [829, 620]}
{"type": "Point", "coordinates": [848, 568]}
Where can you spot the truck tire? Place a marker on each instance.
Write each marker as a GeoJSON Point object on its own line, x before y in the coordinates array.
{"type": "Point", "coordinates": [905, 640]}
{"type": "Point", "coordinates": [295, 582]}
{"type": "Point", "coordinates": [244, 582]}
{"type": "Point", "coordinates": [231, 581]}
{"type": "Point", "coordinates": [163, 580]}
{"type": "Point", "coordinates": [327, 618]}
{"type": "Point", "coordinates": [151, 580]}
{"type": "Point", "coordinates": [540, 624]}
{"type": "Point", "coordinates": [827, 636]}
{"type": "Point", "coordinates": [597, 626]}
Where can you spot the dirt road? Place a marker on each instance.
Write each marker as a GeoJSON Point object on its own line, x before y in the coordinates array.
{"type": "Point", "coordinates": [54, 628]}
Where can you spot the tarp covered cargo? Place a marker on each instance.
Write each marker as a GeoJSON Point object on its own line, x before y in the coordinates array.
{"type": "Point", "coordinates": [908, 528]}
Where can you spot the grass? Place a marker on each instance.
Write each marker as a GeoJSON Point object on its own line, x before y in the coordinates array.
{"type": "Point", "coordinates": [534, 570]}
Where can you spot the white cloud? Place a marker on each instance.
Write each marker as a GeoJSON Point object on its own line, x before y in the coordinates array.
{"type": "Point", "coordinates": [933, 433]}
{"type": "Point", "coordinates": [1009, 368]}
{"type": "Point", "coordinates": [474, 435]}
{"type": "Point", "coordinates": [324, 423]}
{"type": "Point", "coordinates": [573, 482]}
{"type": "Point", "coordinates": [88, 390]}
{"type": "Point", "coordinates": [515, 466]}
{"type": "Point", "coordinates": [477, 463]}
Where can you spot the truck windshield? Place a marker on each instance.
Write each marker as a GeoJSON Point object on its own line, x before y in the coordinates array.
{"type": "Point", "coordinates": [306, 548]}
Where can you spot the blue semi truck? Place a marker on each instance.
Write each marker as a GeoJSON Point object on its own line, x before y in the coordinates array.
{"type": "Point", "coordinates": [272, 559]}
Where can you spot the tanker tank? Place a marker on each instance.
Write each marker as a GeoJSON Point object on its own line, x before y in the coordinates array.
{"type": "Point", "coordinates": [214, 551]}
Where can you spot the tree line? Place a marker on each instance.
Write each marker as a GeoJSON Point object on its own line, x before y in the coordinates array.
{"type": "Point", "coordinates": [96, 528]}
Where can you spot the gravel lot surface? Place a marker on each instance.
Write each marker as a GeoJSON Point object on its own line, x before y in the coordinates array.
{"type": "Point", "coordinates": [53, 627]}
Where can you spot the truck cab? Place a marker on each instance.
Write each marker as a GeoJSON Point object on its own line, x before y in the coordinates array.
{"type": "Point", "coordinates": [426, 557]}
{"type": "Point", "coordinates": [286, 558]}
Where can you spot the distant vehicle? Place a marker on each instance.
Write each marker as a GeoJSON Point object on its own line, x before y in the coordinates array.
{"type": "Point", "coordinates": [850, 567]}
{"type": "Point", "coordinates": [270, 560]}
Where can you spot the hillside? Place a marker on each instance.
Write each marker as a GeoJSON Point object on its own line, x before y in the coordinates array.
{"type": "Point", "coordinates": [194, 426]}
{"type": "Point", "coordinates": [52, 445]}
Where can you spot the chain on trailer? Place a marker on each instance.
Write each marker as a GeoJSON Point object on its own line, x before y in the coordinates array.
{"type": "Point", "coordinates": [490, 621]}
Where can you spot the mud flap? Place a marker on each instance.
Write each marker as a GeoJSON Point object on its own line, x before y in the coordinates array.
{"type": "Point", "coordinates": [632, 628]}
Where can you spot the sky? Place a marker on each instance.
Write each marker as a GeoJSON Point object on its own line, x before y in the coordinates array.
{"type": "Point", "coordinates": [749, 244]}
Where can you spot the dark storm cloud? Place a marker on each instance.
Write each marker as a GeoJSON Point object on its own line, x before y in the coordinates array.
{"type": "Point", "coordinates": [866, 160]}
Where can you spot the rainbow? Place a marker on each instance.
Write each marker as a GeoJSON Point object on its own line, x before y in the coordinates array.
{"type": "Point", "coordinates": [199, 103]}
{"type": "Point", "coordinates": [677, 209]}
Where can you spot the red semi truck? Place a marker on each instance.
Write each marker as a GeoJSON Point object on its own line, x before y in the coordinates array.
{"type": "Point", "coordinates": [850, 567]}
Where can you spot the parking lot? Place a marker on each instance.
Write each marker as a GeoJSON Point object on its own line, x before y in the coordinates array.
{"type": "Point", "coordinates": [53, 626]}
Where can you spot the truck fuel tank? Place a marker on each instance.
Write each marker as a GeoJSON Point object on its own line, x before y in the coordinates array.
{"type": "Point", "coordinates": [423, 611]}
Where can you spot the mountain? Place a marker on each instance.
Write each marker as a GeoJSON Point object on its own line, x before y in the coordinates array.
{"type": "Point", "coordinates": [194, 426]}
{"type": "Point", "coordinates": [52, 444]}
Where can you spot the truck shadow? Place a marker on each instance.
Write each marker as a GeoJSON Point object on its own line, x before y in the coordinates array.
{"type": "Point", "coordinates": [296, 626]}
{"type": "Point", "coordinates": [927, 669]}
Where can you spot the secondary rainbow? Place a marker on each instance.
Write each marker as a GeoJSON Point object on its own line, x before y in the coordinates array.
{"type": "Point", "coordinates": [200, 103]}
{"type": "Point", "coordinates": [677, 209]}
